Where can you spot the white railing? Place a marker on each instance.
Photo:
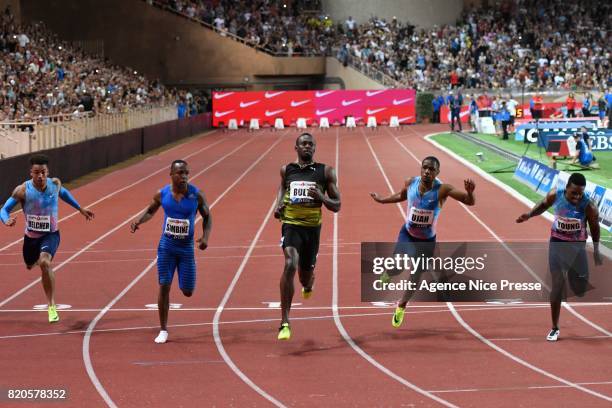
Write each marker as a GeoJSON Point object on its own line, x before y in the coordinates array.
{"type": "Point", "coordinates": [59, 130]}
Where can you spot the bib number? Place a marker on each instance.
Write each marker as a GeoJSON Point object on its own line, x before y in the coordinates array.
{"type": "Point", "coordinates": [39, 223]}
{"type": "Point", "coordinates": [420, 217]}
{"type": "Point", "coordinates": [298, 191]}
{"type": "Point", "coordinates": [568, 224]}
{"type": "Point", "coordinates": [176, 228]}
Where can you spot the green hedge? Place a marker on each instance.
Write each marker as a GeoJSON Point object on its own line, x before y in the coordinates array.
{"type": "Point", "coordinates": [424, 107]}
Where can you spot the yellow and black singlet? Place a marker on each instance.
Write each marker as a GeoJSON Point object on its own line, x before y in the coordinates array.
{"type": "Point", "coordinates": [300, 209]}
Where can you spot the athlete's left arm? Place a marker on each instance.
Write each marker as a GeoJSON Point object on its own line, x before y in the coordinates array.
{"type": "Point", "coordinates": [206, 220]}
{"type": "Point", "coordinates": [332, 200]}
{"type": "Point", "coordinates": [65, 195]}
{"type": "Point", "coordinates": [466, 197]}
{"type": "Point", "coordinates": [592, 216]}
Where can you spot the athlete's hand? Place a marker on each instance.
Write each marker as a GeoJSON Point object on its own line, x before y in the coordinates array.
{"type": "Point", "coordinates": [11, 222]}
{"type": "Point", "coordinates": [202, 244]}
{"type": "Point", "coordinates": [279, 211]}
{"type": "Point", "coordinates": [375, 196]}
{"type": "Point", "coordinates": [469, 185]}
{"type": "Point", "coordinates": [523, 218]}
{"type": "Point", "coordinates": [134, 226]}
{"type": "Point", "coordinates": [87, 213]}
{"type": "Point", "coordinates": [314, 192]}
{"type": "Point", "coordinates": [597, 257]}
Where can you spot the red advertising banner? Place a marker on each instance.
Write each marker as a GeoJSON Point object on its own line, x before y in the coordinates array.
{"type": "Point", "coordinates": [335, 105]}
{"type": "Point", "coordinates": [551, 110]}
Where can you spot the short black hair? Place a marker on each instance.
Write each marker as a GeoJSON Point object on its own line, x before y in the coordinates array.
{"type": "Point", "coordinates": [297, 141]}
{"type": "Point", "coordinates": [433, 159]}
{"type": "Point", "coordinates": [179, 161]}
{"type": "Point", "coordinates": [577, 179]}
{"type": "Point", "coordinates": [576, 134]}
{"type": "Point", "coordinates": [39, 159]}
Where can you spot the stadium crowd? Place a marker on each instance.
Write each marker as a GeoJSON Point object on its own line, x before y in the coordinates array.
{"type": "Point", "coordinates": [536, 43]}
{"type": "Point", "coordinates": [41, 76]}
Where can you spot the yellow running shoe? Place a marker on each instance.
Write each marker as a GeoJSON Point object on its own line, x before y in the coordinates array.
{"type": "Point", "coordinates": [284, 332]}
{"type": "Point", "coordinates": [306, 293]}
{"type": "Point", "coordinates": [53, 316]}
{"type": "Point", "coordinates": [398, 317]}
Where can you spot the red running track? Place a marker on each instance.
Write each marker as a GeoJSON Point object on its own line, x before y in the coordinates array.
{"type": "Point", "coordinates": [223, 349]}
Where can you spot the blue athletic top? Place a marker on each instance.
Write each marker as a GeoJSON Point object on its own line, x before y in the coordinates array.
{"type": "Point", "coordinates": [40, 209]}
{"type": "Point", "coordinates": [570, 220]}
{"type": "Point", "coordinates": [179, 217]}
{"type": "Point", "coordinates": [422, 210]}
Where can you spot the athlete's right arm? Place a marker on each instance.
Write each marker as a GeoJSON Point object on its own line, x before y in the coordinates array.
{"type": "Point", "coordinates": [398, 197]}
{"type": "Point", "coordinates": [18, 197]}
{"type": "Point", "coordinates": [149, 212]}
{"type": "Point", "coordinates": [280, 195]}
{"type": "Point", "coordinates": [540, 207]}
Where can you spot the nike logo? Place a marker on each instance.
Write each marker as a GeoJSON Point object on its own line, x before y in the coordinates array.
{"type": "Point", "coordinates": [276, 112]}
{"type": "Point", "coordinates": [372, 93]}
{"type": "Point", "coordinates": [405, 119]}
{"type": "Point", "coordinates": [269, 95]}
{"type": "Point", "coordinates": [348, 103]}
{"type": "Point", "coordinates": [373, 111]}
{"type": "Point", "coordinates": [222, 95]}
{"type": "Point", "coordinates": [295, 104]}
{"type": "Point", "coordinates": [221, 114]}
{"type": "Point", "coordinates": [323, 112]}
{"type": "Point", "coordinates": [322, 94]}
{"type": "Point", "coordinates": [396, 102]}
{"type": "Point", "coordinates": [245, 104]}
{"type": "Point", "coordinates": [48, 247]}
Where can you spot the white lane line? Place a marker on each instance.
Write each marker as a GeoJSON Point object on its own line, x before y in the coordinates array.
{"type": "Point", "coordinates": [86, 340]}
{"type": "Point", "coordinates": [100, 238]}
{"type": "Point", "coordinates": [219, 311]}
{"type": "Point", "coordinates": [339, 324]}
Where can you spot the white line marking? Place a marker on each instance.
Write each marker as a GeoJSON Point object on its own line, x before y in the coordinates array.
{"type": "Point", "coordinates": [533, 387]}
{"type": "Point", "coordinates": [100, 238]}
{"type": "Point", "coordinates": [521, 361]}
{"type": "Point", "coordinates": [228, 293]}
{"type": "Point", "coordinates": [340, 326]}
{"type": "Point", "coordinates": [86, 358]}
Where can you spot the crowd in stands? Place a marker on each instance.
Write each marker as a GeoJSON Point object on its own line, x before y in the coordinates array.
{"type": "Point", "coordinates": [535, 43]}
{"type": "Point", "coordinates": [41, 76]}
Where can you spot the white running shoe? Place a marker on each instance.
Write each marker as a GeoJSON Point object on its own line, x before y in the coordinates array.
{"type": "Point", "coordinates": [162, 337]}
{"type": "Point", "coordinates": [553, 335]}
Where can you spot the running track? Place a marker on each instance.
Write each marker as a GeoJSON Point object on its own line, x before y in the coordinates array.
{"type": "Point", "coordinates": [223, 349]}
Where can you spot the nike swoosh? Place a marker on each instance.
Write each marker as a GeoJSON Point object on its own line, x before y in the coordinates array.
{"type": "Point", "coordinates": [221, 96]}
{"type": "Point", "coordinates": [464, 113]}
{"type": "Point", "coordinates": [348, 103]}
{"type": "Point", "coordinates": [245, 104]}
{"type": "Point", "coordinates": [269, 95]}
{"type": "Point", "coordinates": [404, 119]}
{"type": "Point", "coordinates": [323, 112]}
{"type": "Point", "coordinates": [396, 102]}
{"type": "Point", "coordinates": [294, 103]}
{"type": "Point", "coordinates": [276, 112]}
{"type": "Point", "coordinates": [372, 93]}
{"type": "Point", "coordinates": [44, 248]}
{"type": "Point", "coordinates": [221, 114]}
{"type": "Point", "coordinates": [322, 94]}
{"type": "Point", "coordinates": [373, 111]}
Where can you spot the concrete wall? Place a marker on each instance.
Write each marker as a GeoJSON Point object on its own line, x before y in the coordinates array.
{"type": "Point", "coordinates": [352, 78]}
{"type": "Point", "coordinates": [422, 13]}
{"type": "Point", "coordinates": [160, 44]}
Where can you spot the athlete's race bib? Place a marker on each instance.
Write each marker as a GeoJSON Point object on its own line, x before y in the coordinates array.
{"type": "Point", "coordinates": [39, 223]}
{"type": "Point", "coordinates": [568, 224]}
{"type": "Point", "coordinates": [420, 217]}
{"type": "Point", "coordinates": [176, 228]}
{"type": "Point", "coordinates": [298, 191]}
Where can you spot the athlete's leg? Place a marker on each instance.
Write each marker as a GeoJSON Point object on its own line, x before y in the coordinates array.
{"type": "Point", "coordinates": [48, 277]}
{"type": "Point", "coordinates": [286, 283]}
{"type": "Point", "coordinates": [187, 272]}
{"type": "Point", "coordinates": [166, 265]}
{"type": "Point", "coordinates": [163, 305]}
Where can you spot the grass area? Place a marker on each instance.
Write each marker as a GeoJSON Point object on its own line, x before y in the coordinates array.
{"type": "Point", "coordinates": [493, 162]}
{"type": "Point", "coordinates": [601, 176]}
